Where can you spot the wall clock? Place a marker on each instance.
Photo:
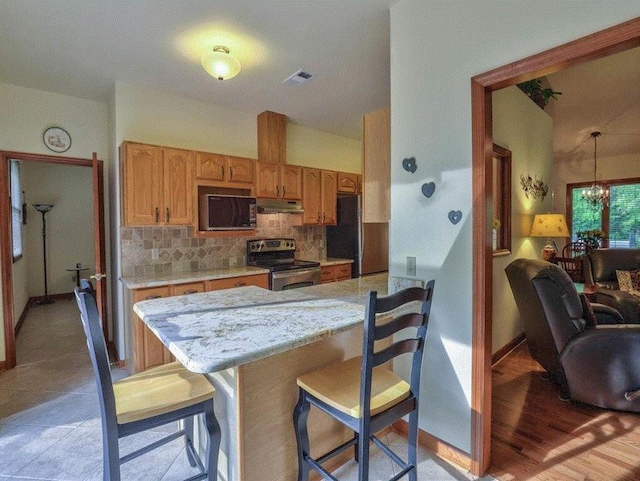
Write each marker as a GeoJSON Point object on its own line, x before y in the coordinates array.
{"type": "Point", "coordinates": [57, 139]}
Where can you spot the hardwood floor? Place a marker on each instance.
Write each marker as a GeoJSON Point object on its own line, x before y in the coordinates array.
{"type": "Point", "coordinates": [535, 436]}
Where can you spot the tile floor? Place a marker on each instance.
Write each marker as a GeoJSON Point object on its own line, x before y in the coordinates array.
{"type": "Point", "coordinates": [50, 420]}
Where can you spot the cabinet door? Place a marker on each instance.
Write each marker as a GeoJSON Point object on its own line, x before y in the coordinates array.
{"type": "Point", "coordinates": [210, 166]}
{"type": "Point", "coordinates": [178, 185]}
{"type": "Point", "coordinates": [291, 182]}
{"type": "Point", "coordinates": [143, 194]}
{"type": "Point", "coordinates": [311, 196]}
{"type": "Point", "coordinates": [148, 350]}
{"type": "Point", "coordinates": [260, 280]}
{"type": "Point", "coordinates": [347, 183]}
{"type": "Point", "coordinates": [327, 274]}
{"type": "Point", "coordinates": [376, 166]}
{"type": "Point", "coordinates": [329, 189]}
{"type": "Point", "coordinates": [188, 288]}
{"type": "Point", "coordinates": [240, 169]}
{"type": "Point", "coordinates": [343, 272]}
{"type": "Point", "coordinates": [267, 182]}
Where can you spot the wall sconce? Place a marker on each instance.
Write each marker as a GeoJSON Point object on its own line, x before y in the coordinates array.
{"type": "Point", "coordinates": [220, 63]}
{"type": "Point", "coordinates": [534, 188]}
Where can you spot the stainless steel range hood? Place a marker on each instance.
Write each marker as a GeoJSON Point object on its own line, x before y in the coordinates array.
{"type": "Point", "coordinates": [279, 206]}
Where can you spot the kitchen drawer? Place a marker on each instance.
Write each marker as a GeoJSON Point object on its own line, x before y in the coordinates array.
{"type": "Point", "coordinates": [343, 272]}
{"type": "Point", "coordinates": [148, 349]}
{"type": "Point", "coordinates": [327, 274]}
{"type": "Point", "coordinates": [188, 288]}
{"type": "Point", "coordinates": [260, 280]}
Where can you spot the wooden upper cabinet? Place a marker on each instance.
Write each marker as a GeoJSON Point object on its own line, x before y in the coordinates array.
{"type": "Point", "coordinates": [376, 166]}
{"type": "Point", "coordinates": [178, 187]}
{"type": "Point", "coordinates": [311, 196]}
{"type": "Point", "coordinates": [142, 183]}
{"type": "Point", "coordinates": [319, 193]}
{"type": "Point", "coordinates": [267, 180]}
{"type": "Point", "coordinates": [291, 182]}
{"type": "Point", "coordinates": [272, 137]}
{"type": "Point", "coordinates": [210, 166]}
{"type": "Point", "coordinates": [224, 168]}
{"type": "Point", "coordinates": [348, 183]}
{"type": "Point", "coordinates": [274, 181]}
{"type": "Point", "coordinates": [329, 191]}
{"type": "Point", "coordinates": [240, 169]}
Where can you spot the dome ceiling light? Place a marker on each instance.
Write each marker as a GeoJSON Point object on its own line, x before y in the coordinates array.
{"type": "Point", "coordinates": [220, 63]}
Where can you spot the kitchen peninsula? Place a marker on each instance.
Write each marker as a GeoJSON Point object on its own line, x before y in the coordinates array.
{"type": "Point", "coordinates": [253, 343]}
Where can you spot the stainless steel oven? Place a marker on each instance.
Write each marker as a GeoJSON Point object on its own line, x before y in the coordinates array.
{"type": "Point", "coordinates": [285, 271]}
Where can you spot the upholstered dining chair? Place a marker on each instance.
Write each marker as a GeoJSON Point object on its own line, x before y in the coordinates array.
{"type": "Point", "coordinates": [364, 394]}
{"type": "Point", "coordinates": [146, 400]}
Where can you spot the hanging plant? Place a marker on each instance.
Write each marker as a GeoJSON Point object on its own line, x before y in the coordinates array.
{"type": "Point", "coordinates": [534, 90]}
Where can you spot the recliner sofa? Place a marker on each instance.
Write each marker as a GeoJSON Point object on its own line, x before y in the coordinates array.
{"type": "Point", "coordinates": [598, 365]}
{"type": "Point", "coordinates": [600, 267]}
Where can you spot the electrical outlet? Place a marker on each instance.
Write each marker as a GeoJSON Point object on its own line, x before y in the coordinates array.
{"type": "Point", "coordinates": [411, 266]}
{"type": "Point", "coordinates": [155, 255]}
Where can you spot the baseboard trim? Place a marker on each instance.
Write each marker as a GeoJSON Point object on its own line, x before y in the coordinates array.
{"type": "Point", "coordinates": [501, 353]}
{"type": "Point", "coordinates": [437, 446]}
{"type": "Point", "coordinates": [114, 359]}
{"type": "Point", "coordinates": [23, 316]}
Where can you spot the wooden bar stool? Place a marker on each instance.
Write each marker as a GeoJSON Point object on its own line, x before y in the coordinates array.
{"type": "Point", "coordinates": [146, 400]}
{"type": "Point", "coordinates": [364, 395]}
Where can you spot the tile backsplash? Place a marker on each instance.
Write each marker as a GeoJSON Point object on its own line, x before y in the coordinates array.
{"type": "Point", "coordinates": [179, 250]}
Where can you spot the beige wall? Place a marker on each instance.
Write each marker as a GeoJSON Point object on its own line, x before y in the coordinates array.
{"type": "Point", "coordinates": [27, 113]}
{"type": "Point", "coordinates": [436, 47]}
{"type": "Point", "coordinates": [69, 224]}
{"type": "Point", "coordinates": [527, 131]}
{"type": "Point", "coordinates": [313, 148]}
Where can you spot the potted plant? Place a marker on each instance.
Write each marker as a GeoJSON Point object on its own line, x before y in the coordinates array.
{"type": "Point", "coordinates": [534, 90]}
{"type": "Point", "coordinates": [593, 238]}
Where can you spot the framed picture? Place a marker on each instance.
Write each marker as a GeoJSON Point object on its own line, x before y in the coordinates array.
{"type": "Point", "coordinates": [57, 139]}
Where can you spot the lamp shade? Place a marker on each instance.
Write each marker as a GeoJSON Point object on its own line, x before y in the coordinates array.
{"type": "Point", "coordinates": [220, 63]}
{"type": "Point", "coordinates": [549, 225]}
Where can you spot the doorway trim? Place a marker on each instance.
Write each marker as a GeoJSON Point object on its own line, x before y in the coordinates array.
{"type": "Point", "coordinates": [600, 44]}
{"type": "Point", "coordinates": [6, 260]}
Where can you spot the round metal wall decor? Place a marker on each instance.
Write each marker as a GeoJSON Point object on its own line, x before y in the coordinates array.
{"type": "Point", "coordinates": [57, 139]}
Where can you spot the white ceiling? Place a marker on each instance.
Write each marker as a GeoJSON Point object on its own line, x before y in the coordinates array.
{"type": "Point", "coordinates": [82, 47]}
{"type": "Point", "coordinates": [602, 95]}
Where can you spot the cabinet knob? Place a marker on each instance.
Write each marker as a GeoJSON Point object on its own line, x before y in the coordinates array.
{"type": "Point", "coordinates": [318, 217]}
{"type": "Point", "coordinates": [283, 190]}
{"type": "Point", "coordinates": [189, 292]}
{"type": "Point", "coordinates": [240, 284]}
{"type": "Point", "coordinates": [230, 173]}
{"type": "Point", "coordinates": [167, 214]}
{"type": "Point", "coordinates": [222, 167]}
{"type": "Point", "coordinates": [277, 191]}
{"type": "Point", "coordinates": [157, 215]}
{"type": "Point", "coordinates": [148, 298]}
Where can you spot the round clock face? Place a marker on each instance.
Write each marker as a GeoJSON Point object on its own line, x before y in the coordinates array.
{"type": "Point", "coordinates": [56, 139]}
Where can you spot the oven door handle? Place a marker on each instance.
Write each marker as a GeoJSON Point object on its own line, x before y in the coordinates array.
{"type": "Point", "coordinates": [294, 273]}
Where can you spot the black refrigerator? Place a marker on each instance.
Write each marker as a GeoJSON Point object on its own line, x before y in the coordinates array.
{"type": "Point", "coordinates": [367, 244]}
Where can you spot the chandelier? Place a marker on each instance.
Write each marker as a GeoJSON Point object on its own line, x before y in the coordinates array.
{"type": "Point", "coordinates": [597, 196]}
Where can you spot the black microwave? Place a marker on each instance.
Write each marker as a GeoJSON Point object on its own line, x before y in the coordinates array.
{"type": "Point", "coordinates": [227, 212]}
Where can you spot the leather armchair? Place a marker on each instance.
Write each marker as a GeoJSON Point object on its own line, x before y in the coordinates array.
{"type": "Point", "coordinates": [595, 365]}
{"type": "Point", "coordinates": [600, 267]}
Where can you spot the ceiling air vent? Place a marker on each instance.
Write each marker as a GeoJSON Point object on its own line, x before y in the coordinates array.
{"type": "Point", "coordinates": [297, 78]}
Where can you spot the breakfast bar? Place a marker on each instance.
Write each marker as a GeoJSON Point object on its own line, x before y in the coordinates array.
{"type": "Point", "coordinates": [252, 343]}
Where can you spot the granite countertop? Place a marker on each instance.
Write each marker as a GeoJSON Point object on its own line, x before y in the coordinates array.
{"type": "Point", "coordinates": [156, 280]}
{"type": "Point", "coordinates": [211, 331]}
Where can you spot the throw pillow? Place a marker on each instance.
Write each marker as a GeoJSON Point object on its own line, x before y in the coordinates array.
{"type": "Point", "coordinates": [624, 280]}
{"type": "Point", "coordinates": [587, 312]}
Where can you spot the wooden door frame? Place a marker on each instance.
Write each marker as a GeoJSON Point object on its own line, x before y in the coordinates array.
{"type": "Point", "coordinates": [6, 251]}
{"type": "Point", "coordinates": [600, 44]}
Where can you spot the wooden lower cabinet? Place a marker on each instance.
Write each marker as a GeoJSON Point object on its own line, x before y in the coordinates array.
{"type": "Point", "coordinates": [148, 349]}
{"type": "Point", "coordinates": [338, 272]}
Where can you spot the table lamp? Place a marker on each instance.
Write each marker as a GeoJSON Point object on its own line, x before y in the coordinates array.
{"type": "Point", "coordinates": [549, 225]}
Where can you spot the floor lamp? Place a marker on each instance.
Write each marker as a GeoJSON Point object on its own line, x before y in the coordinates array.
{"type": "Point", "coordinates": [43, 209]}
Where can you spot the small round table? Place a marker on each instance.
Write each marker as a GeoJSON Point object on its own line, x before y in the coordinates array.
{"type": "Point", "coordinates": [77, 270]}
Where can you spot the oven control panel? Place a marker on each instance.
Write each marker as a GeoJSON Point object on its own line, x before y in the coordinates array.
{"type": "Point", "coordinates": [270, 245]}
